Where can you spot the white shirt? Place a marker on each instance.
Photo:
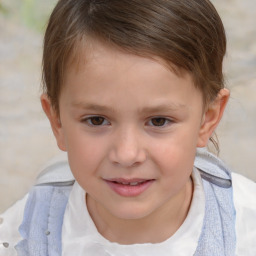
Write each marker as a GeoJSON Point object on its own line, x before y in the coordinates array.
{"type": "Point", "coordinates": [79, 231]}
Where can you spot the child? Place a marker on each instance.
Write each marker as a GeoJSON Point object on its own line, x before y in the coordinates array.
{"type": "Point", "coordinates": [134, 91]}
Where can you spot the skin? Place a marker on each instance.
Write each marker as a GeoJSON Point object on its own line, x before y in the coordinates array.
{"type": "Point", "coordinates": [127, 117]}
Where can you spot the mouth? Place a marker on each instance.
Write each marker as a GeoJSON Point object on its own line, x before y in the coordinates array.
{"type": "Point", "coordinates": [129, 188]}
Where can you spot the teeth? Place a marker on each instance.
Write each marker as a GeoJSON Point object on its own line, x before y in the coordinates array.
{"type": "Point", "coordinates": [130, 183]}
{"type": "Point", "coordinates": [125, 183]}
{"type": "Point", "coordinates": [133, 183]}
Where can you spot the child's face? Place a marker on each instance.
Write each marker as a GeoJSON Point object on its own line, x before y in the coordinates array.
{"type": "Point", "coordinates": [131, 128]}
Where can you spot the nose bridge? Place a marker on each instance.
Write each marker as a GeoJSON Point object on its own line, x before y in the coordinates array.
{"type": "Point", "coordinates": [128, 149]}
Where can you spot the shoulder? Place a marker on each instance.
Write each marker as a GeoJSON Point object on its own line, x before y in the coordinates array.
{"type": "Point", "coordinates": [10, 221]}
{"type": "Point", "coordinates": [244, 192]}
{"type": "Point", "coordinates": [55, 172]}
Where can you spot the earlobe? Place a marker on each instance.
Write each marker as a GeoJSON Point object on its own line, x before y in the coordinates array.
{"type": "Point", "coordinates": [54, 121]}
{"type": "Point", "coordinates": [212, 117]}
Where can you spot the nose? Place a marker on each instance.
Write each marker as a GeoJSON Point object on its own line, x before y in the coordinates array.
{"type": "Point", "coordinates": [127, 148]}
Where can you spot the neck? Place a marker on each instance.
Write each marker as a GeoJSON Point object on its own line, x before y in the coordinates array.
{"type": "Point", "coordinates": [154, 228]}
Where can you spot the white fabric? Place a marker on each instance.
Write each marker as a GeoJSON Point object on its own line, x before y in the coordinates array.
{"type": "Point", "coordinates": [57, 169]}
{"type": "Point", "coordinates": [79, 231]}
{"type": "Point", "coordinates": [245, 203]}
{"type": "Point", "coordinates": [79, 228]}
{"type": "Point", "coordinates": [10, 221]}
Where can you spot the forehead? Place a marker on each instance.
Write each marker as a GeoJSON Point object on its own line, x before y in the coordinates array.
{"type": "Point", "coordinates": [89, 54]}
{"type": "Point", "coordinates": [86, 46]}
{"type": "Point", "coordinates": [103, 72]}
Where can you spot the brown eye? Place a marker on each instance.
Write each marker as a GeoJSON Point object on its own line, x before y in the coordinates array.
{"type": "Point", "coordinates": [159, 121]}
{"type": "Point", "coordinates": [96, 120]}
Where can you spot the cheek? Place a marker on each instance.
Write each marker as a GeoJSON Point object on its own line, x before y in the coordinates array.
{"type": "Point", "coordinates": [85, 154]}
{"type": "Point", "coordinates": [176, 166]}
{"type": "Point", "coordinates": [180, 143]}
{"type": "Point", "coordinates": [82, 144]}
{"type": "Point", "coordinates": [176, 160]}
{"type": "Point", "coordinates": [175, 155]}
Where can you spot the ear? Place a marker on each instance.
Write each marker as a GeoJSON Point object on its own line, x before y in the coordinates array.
{"type": "Point", "coordinates": [54, 119]}
{"type": "Point", "coordinates": [212, 117]}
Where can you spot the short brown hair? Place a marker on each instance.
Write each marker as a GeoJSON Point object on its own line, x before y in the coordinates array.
{"type": "Point", "coordinates": [188, 34]}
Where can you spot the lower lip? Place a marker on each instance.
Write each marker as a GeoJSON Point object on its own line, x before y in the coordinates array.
{"type": "Point", "coordinates": [128, 190]}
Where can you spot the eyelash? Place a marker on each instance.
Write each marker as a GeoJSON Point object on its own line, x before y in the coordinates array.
{"type": "Point", "coordinates": [165, 120]}
{"type": "Point", "coordinates": [88, 120]}
{"type": "Point", "coordinates": [103, 121]}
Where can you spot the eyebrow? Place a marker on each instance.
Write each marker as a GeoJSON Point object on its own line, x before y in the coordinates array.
{"type": "Point", "coordinates": [92, 106]}
{"type": "Point", "coordinates": [148, 109]}
{"type": "Point", "coordinates": [163, 108]}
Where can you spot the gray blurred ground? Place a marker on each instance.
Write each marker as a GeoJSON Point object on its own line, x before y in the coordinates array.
{"type": "Point", "coordinates": [26, 141]}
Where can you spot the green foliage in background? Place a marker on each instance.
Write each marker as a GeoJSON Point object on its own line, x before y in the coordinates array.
{"type": "Point", "coordinates": [32, 13]}
{"type": "Point", "coordinates": [3, 10]}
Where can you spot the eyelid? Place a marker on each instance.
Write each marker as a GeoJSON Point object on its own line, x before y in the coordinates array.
{"type": "Point", "coordinates": [168, 121]}
{"type": "Point", "coordinates": [87, 119]}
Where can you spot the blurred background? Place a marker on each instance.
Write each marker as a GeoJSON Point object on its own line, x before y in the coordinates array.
{"type": "Point", "coordinates": [26, 141]}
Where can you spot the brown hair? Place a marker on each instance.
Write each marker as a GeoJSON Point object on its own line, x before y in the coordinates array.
{"type": "Point", "coordinates": [187, 34]}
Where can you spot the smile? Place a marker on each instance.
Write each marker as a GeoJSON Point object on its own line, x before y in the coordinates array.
{"type": "Point", "coordinates": [129, 188]}
{"type": "Point", "coordinates": [130, 183]}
